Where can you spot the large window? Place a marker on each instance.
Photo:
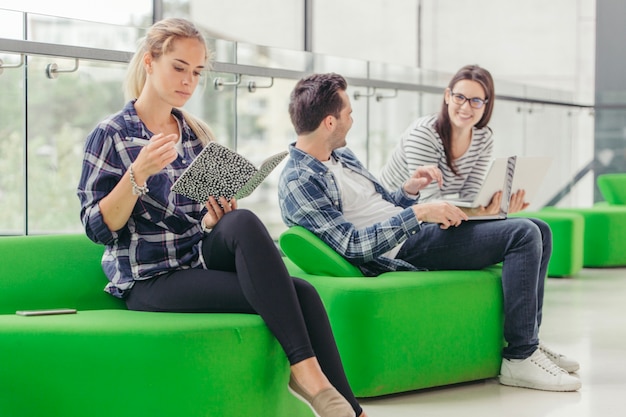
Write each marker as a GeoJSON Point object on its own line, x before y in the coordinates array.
{"type": "Point", "coordinates": [46, 114]}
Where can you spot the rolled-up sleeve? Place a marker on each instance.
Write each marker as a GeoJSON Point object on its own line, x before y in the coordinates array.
{"type": "Point", "coordinates": [101, 171]}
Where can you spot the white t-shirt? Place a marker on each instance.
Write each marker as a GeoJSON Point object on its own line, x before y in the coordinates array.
{"type": "Point", "coordinates": [363, 206]}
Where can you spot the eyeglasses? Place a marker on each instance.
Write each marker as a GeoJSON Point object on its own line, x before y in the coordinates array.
{"type": "Point", "coordinates": [474, 102]}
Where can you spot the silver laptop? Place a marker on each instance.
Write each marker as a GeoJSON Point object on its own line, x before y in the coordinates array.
{"type": "Point", "coordinates": [530, 172]}
{"type": "Point", "coordinates": [508, 175]}
{"type": "Point", "coordinates": [495, 180]}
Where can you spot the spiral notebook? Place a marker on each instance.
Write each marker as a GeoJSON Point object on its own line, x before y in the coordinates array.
{"type": "Point", "coordinates": [219, 171]}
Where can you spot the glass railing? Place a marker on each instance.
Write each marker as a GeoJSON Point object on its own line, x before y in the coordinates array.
{"type": "Point", "coordinates": [45, 116]}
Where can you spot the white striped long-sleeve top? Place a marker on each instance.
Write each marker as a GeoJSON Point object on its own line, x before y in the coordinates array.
{"type": "Point", "coordinates": [421, 145]}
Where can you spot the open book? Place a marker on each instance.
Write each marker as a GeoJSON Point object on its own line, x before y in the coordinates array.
{"type": "Point", "coordinates": [219, 171]}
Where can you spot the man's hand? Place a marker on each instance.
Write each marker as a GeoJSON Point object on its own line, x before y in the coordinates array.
{"type": "Point", "coordinates": [440, 212]}
{"type": "Point", "coordinates": [421, 178]}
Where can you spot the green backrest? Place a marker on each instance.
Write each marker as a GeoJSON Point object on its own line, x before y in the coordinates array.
{"type": "Point", "coordinates": [613, 187]}
{"type": "Point", "coordinates": [52, 271]}
{"type": "Point", "coordinates": [314, 256]}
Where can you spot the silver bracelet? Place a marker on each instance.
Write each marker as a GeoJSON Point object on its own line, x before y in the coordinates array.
{"type": "Point", "coordinates": [137, 190]}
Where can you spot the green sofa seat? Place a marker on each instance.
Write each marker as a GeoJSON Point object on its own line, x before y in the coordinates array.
{"type": "Point", "coordinates": [568, 231]}
{"type": "Point", "coordinates": [613, 187]}
{"type": "Point", "coordinates": [108, 361]}
{"type": "Point", "coordinates": [403, 331]}
{"type": "Point", "coordinates": [605, 234]}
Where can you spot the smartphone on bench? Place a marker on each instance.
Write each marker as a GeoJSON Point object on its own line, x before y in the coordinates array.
{"type": "Point", "coordinates": [46, 312]}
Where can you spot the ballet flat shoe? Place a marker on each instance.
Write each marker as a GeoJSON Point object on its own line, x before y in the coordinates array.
{"type": "Point", "coordinates": [327, 403]}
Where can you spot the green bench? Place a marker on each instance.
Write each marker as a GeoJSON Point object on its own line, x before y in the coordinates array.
{"type": "Point", "coordinates": [403, 331]}
{"type": "Point", "coordinates": [604, 243]}
{"type": "Point", "coordinates": [108, 361]}
{"type": "Point", "coordinates": [604, 224]}
{"type": "Point", "coordinates": [613, 188]}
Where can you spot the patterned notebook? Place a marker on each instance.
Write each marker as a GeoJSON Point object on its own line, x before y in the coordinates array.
{"type": "Point", "coordinates": [220, 171]}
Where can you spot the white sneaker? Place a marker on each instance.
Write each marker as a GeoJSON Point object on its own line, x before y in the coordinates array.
{"type": "Point", "coordinates": [537, 372]}
{"type": "Point", "coordinates": [569, 364]}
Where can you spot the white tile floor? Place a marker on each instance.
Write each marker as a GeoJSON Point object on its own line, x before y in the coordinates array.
{"type": "Point", "coordinates": [585, 318]}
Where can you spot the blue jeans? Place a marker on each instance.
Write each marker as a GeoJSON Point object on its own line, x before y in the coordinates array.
{"type": "Point", "coordinates": [523, 245]}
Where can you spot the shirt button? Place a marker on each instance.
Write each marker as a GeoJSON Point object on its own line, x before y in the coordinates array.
{"type": "Point", "coordinates": [413, 232]}
{"type": "Point", "coordinates": [185, 161]}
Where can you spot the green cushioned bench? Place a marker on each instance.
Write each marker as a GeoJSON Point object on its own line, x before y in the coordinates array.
{"type": "Point", "coordinates": [603, 230]}
{"type": "Point", "coordinates": [613, 188]}
{"type": "Point", "coordinates": [404, 331]}
{"type": "Point", "coordinates": [604, 243]}
{"type": "Point", "coordinates": [107, 361]}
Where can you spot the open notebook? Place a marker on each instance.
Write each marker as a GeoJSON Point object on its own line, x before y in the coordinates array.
{"type": "Point", "coordinates": [219, 171]}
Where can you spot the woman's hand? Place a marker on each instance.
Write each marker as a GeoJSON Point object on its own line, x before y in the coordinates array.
{"type": "Point", "coordinates": [517, 202]}
{"type": "Point", "coordinates": [491, 209]}
{"type": "Point", "coordinates": [423, 176]}
{"type": "Point", "coordinates": [155, 156]}
{"type": "Point", "coordinates": [117, 207]}
{"type": "Point", "coordinates": [215, 212]}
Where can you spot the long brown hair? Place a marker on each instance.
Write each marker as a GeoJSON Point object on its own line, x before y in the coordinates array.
{"type": "Point", "coordinates": [158, 41]}
{"type": "Point", "coordinates": [443, 125]}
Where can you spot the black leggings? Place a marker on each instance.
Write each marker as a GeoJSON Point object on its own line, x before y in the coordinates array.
{"type": "Point", "coordinates": [247, 275]}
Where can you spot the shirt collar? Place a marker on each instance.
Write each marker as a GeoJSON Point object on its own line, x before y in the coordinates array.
{"type": "Point", "coordinates": [303, 158]}
{"type": "Point", "coordinates": [137, 129]}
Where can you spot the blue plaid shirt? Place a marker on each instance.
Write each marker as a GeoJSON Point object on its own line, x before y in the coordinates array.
{"type": "Point", "coordinates": [310, 197]}
{"type": "Point", "coordinates": [164, 232]}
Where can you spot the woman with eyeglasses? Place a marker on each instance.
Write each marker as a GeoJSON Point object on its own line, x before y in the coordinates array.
{"type": "Point", "coordinates": [457, 140]}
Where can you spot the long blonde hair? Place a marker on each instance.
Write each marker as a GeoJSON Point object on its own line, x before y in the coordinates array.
{"type": "Point", "coordinates": [158, 41]}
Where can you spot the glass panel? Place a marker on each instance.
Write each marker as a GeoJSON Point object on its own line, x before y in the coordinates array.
{"type": "Point", "coordinates": [562, 133]}
{"type": "Point", "coordinates": [610, 132]}
{"type": "Point", "coordinates": [217, 107]}
{"type": "Point", "coordinates": [12, 168]}
{"type": "Point", "coordinates": [11, 24]}
{"type": "Point", "coordinates": [389, 118]}
{"type": "Point", "coordinates": [358, 136]}
{"type": "Point", "coordinates": [277, 23]}
{"type": "Point", "coordinates": [268, 57]}
{"type": "Point", "coordinates": [263, 129]}
{"type": "Point", "coordinates": [82, 33]}
{"type": "Point", "coordinates": [117, 12]}
{"type": "Point", "coordinates": [62, 112]}
{"type": "Point", "coordinates": [345, 66]}
{"type": "Point", "coordinates": [375, 30]}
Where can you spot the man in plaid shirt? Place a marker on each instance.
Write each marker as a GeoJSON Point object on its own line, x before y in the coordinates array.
{"type": "Point", "coordinates": [325, 189]}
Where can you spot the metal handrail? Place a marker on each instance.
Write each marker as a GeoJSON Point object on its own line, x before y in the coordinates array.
{"type": "Point", "coordinates": [27, 47]}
